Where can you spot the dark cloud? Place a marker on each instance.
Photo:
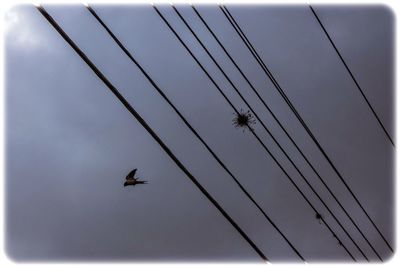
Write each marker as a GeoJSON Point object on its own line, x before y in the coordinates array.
{"type": "Point", "coordinates": [70, 143]}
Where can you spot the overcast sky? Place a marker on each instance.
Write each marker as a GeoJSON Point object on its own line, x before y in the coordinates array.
{"type": "Point", "coordinates": [70, 142]}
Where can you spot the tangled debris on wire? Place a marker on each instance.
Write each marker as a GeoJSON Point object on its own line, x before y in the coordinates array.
{"type": "Point", "coordinates": [243, 120]}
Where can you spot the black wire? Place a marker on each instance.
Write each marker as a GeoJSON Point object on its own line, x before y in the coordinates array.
{"type": "Point", "coordinates": [129, 55]}
{"type": "Point", "coordinates": [251, 130]}
{"type": "Point", "coordinates": [271, 135]}
{"type": "Point", "coordinates": [352, 76]}
{"type": "Point", "coordinates": [115, 91]}
{"type": "Point", "coordinates": [277, 86]}
{"type": "Point", "coordinates": [282, 127]}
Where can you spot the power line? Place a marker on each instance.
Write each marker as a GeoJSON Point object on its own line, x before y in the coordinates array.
{"type": "Point", "coordinates": [273, 138]}
{"type": "Point", "coordinates": [159, 90]}
{"type": "Point", "coordinates": [352, 76]}
{"type": "Point", "coordinates": [277, 86]}
{"type": "Point", "coordinates": [283, 128]}
{"type": "Point", "coordinates": [282, 93]}
{"type": "Point", "coordinates": [251, 130]}
{"type": "Point", "coordinates": [137, 116]}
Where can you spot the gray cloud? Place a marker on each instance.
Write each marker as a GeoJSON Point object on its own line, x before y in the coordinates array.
{"type": "Point", "coordinates": [70, 143]}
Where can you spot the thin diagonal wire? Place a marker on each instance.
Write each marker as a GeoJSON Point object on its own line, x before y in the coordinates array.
{"type": "Point", "coordinates": [352, 76]}
{"type": "Point", "coordinates": [137, 116]}
{"type": "Point", "coordinates": [271, 135]}
{"type": "Point", "coordinates": [251, 130]}
{"type": "Point", "coordinates": [160, 91]}
{"type": "Point", "coordinates": [282, 93]}
{"type": "Point", "coordinates": [282, 127]}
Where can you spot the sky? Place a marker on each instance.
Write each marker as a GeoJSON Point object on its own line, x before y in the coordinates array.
{"type": "Point", "coordinates": [70, 142]}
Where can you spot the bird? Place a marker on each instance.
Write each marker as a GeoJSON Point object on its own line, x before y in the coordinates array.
{"type": "Point", "coordinates": [131, 180]}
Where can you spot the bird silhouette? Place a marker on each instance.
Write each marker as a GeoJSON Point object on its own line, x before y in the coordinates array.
{"type": "Point", "coordinates": [131, 180]}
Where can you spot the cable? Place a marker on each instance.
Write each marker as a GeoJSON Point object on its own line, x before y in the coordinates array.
{"type": "Point", "coordinates": [273, 138]}
{"type": "Point", "coordinates": [283, 128]}
{"type": "Point", "coordinates": [352, 76]}
{"type": "Point", "coordinates": [115, 91]}
{"type": "Point", "coordinates": [158, 89]}
{"type": "Point", "coordinates": [251, 130]}
{"type": "Point", "coordinates": [277, 86]}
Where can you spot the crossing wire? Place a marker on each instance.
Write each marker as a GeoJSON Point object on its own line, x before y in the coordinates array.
{"type": "Point", "coordinates": [160, 91]}
{"type": "Point", "coordinates": [283, 129]}
{"type": "Point", "coordinates": [239, 31]}
{"type": "Point", "coordinates": [137, 116]}
{"type": "Point", "coordinates": [273, 138]}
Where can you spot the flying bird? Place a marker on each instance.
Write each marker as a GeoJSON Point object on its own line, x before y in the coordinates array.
{"type": "Point", "coordinates": [131, 180]}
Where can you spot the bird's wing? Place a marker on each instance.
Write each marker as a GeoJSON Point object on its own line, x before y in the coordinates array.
{"type": "Point", "coordinates": [131, 175]}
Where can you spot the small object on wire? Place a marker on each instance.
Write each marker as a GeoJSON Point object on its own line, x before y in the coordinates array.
{"type": "Point", "coordinates": [243, 120]}
{"type": "Point", "coordinates": [338, 240]}
{"type": "Point", "coordinates": [318, 216]}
